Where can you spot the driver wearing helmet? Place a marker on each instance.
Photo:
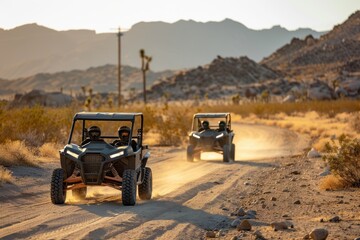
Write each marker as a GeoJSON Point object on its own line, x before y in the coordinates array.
{"type": "Point", "coordinates": [93, 134]}
{"type": "Point", "coordinates": [204, 125]}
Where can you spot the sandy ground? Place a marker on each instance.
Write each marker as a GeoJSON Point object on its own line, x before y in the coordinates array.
{"type": "Point", "coordinates": [191, 199]}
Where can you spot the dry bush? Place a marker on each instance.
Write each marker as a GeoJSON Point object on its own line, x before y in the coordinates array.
{"type": "Point", "coordinates": [331, 182]}
{"type": "Point", "coordinates": [35, 125]}
{"type": "Point", "coordinates": [5, 175]}
{"type": "Point", "coordinates": [354, 122]}
{"type": "Point", "coordinates": [49, 150]}
{"type": "Point", "coordinates": [344, 159]}
{"type": "Point", "coordinates": [16, 153]}
{"type": "Point", "coordinates": [321, 143]}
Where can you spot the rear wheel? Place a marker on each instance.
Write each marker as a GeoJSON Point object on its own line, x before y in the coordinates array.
{"type": "Point", "coordinates": [190, 153]}
{"type": "Point", "coordinates": [226, 153]}
{"type": "Point", "coordinates": [58, 186]}
{"type": "Point", "coordinates": [233, 152]}
{"type": "Point", "coordinates": [129, 187]}
{"type": "Point", "coordinates": [145, 188]}
{"type": "Point", "coordinates": [79, 193]}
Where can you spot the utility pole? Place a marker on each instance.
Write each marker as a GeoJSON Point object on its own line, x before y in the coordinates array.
{"type": "Point", "coordinates": [119, 34]}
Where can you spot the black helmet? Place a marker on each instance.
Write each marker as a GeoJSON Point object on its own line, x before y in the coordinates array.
{"type": "Point", "coordinates": [222, 125]}
{"type": "Point", "coordinates": [124, 133]}
{"type": "Point", "coordinates": [94, 132]}
{"type": "Point", "coordinates": [205, 124]}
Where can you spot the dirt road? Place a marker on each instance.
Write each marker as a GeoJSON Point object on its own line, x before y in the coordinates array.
{"type": "Point", "coordinates": [189, 198]}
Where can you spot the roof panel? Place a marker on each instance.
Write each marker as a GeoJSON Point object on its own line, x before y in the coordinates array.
{"type": "Point", "coordinates": [211, 115]}
{"type": "Point", "coordinates": [111, 116]}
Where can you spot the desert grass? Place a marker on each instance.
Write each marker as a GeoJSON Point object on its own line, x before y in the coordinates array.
{"type": "Point", "coordinates": [50, 150]}
{"type": "Point", "coordinates": [5, 175]}
{"type": "Point", "coordinates": [35, 125]}
{"type": "Point", "coordinates": [16, 153]}
{"type": "Point", "coordinates": [322, 128]}
{"type": "Point", "coordinates": [331, 182]}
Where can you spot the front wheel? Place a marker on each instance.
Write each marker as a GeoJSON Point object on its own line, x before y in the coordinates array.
{"type": "Point", "coordinates": [233, 152]}
{"type": "Point", "coordinates": [129, 187]}
{"type": "Point", "coordinates": [58, 186]}
{"type": "Point", "coordinates": [190, 153]}
{"type": "Point", "coordinates": [226, 153]}
{"type": "Point", "coordinates": [145, 188]}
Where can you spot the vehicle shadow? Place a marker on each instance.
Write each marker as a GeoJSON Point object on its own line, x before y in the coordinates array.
{"type": "Point", "coordinates": [252, 163]}
{"type": "Point", "coordinates": [145, 211]}
{"type": "Point", "coordinates": [174, 209]}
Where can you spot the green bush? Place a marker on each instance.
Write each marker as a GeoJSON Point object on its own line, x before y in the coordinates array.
{"type": "Point", "coordinates": [344, 159]}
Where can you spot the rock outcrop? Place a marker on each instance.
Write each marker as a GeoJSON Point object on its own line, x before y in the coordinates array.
{"type": "Point", "coordinates": [38, 97]}
{"type": "Point", "coordinates": [221, 78]}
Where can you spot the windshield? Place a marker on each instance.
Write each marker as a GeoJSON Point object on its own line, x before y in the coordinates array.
{"type": "Point", "coordinates": [109, 130]}
{"type": "Point", "coordinates": [213, 123]}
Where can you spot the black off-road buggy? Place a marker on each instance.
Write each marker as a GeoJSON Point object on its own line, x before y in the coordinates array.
{"type": "Point", "coordinates": [211, 132]}
{"type": "Point", "coordinates": [95, 159]}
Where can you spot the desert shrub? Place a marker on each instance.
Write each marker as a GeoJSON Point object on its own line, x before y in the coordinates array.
{"type": "Point", "coordinates": [174, 126]}
{"type": "Point", "coordinates": [355, 122]}
{"type": "Point", "coordinates": [5, 175]}
{"type": "Point", "coordinates": [35, 125]}
{"type": "Point", "coordinates": [344, 159]}
{"type": "Point", "coordinates": [331, 182]}
{"type": "Point", "coordinates": [16, 153]}
{"type": "Point", "coordinates": [50, 150]}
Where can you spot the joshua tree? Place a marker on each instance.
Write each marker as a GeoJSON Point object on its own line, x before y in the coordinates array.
{"type": "Point", "coordinates": [145, 61]}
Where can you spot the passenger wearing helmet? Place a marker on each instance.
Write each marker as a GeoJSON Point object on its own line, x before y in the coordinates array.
{"type": "Point", "coordinates": [222, 126]}
{"type": "Point", "coordinates": [93, 134]}
{"type": "Point", "coordinates": [204, 125]}
{"type": "Point", "coordinates": [124, 136]}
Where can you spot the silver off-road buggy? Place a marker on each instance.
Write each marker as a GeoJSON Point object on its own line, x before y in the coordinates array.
{"type": "Point", "coordinates": [104, 149]}
{"type": "Point", "coordinates": [211, 132]}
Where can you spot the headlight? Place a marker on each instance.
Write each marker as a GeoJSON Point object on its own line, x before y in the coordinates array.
{"type": "Point", "coordinates": [195, 135]}
{"type": "Point", "coordinates": [220, 135]}
{"type": "Point", "coordinates": [72, 154]}
{"type": "Point", "coordinates": [115, 155]}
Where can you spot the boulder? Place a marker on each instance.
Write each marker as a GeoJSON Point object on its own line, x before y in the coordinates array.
{"type": "Point", "coordinates": [351, 86]}
{"type": "Point", "coordinates": [313, 153]}
{"type": "Point", "coordinates": [319, 234]}
{"type": "Point", "coordinates": [241, 212]}
{"type": "Point", "coordinates": [49, 99]}
{"type": "Point", "coordinates": [210, 234]}
{"type": "Point", "coordinates": [335, 219]}
{"type": "Point", "coordinates": [320, 91]}
{"type": "Point", "coordinates": [244, 225]}
{"type": "Point", "coordinates": [281, 225]}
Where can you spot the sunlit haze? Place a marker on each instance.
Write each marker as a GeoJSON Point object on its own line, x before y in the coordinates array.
{"type": "Point", "coordinates": [105, 15]}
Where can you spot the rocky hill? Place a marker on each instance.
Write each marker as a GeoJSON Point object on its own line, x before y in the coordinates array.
{"type": "Point", "coordinates": [219, 79]}
{"type": "Point", "coordinates": [31, 49]}
{"type": "Point", "coordinates": [100, 79]}
{"type": "Point", "coordinates": [324, 58]}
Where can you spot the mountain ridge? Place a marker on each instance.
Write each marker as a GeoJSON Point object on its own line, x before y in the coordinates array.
{"type": "Point", "coordinates": [183, 44]}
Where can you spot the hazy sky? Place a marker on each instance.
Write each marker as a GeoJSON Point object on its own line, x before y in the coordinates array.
{"type": "Point", "coordinates": [104, 15]}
